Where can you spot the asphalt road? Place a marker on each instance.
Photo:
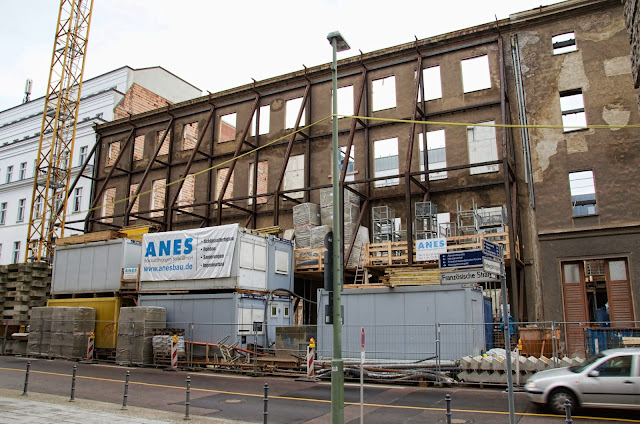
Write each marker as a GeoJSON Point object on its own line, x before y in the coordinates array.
{"type": "Point", "coordinates": [242, 398]}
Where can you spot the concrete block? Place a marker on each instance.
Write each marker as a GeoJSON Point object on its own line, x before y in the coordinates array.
{"type": "Point", "coordinates": [465, 362]}
{"type": "Point", "coordinates": [475, 362]}
{"type": "Point", "coordinates": [566, 362]}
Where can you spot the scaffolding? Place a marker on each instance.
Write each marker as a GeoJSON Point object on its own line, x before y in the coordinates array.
{"type": "Point", "coordinates": [467, 220]}
{"type": "Point", "coordinates": [383, 224]}
{"type": "Point", "coordinates": [426, 220]}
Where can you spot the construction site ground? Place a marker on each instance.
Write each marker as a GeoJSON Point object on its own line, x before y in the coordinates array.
{"type": "Point", "coordinates": [159, 396]}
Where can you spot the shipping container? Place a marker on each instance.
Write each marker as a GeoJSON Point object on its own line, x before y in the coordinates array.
{"type": "Point", "coordinates": [93, 267]}
{"type": "Point", "coordinates": [107, 314]}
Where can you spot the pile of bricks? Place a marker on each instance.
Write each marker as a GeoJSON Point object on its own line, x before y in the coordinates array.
{"type": "Point", "coordinates": [22, 287]}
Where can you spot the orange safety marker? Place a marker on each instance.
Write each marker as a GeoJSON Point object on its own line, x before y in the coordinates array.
{"type": "Point", "coordinates": [91, 346]}
{"type": "Point", "coordinates": [310, 354]}
{"type": "Point", "coordinates": [174, 352]}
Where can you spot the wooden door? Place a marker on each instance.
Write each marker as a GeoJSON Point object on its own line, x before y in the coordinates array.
{"type": "Point", "coordinates": [575, 306]}
{"type": "Point", "coordinates": [619, 293]}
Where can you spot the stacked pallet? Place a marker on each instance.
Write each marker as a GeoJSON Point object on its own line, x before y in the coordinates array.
{"type": "Point", "coordinates": [22, 287]}
{"type": "Point", "coordinates": [135, 333]}
{"type": "Point", "coordinates": [411, 277]}
{"type": "Point", "coordinates": [161, 344]}
{"type": "Point", "coordinates": [61, 332]}
{"type": "Point", "coordinates": [306, 216]}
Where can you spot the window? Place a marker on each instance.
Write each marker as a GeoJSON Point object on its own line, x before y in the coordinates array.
{"type": "Point", "coordinates": [77, 199]}
{"type": "Point", "coordinates": [138, 147]}
{"type": "Point", "coordinates": [282, 262]}
{"type": "Point", "coordinates": [572, 106]}
{"type": "Point", "coordinates": [261, 127]}
{"type": "Point", "coordinates": [583, 193]}
{"type": "Point", "coordinates": [432, 84]}
{"type": "Point", "coordinates": [564, 43]}
{"type": "Point", "coordinates": [187, 193]}
{"type": "Point", "coordinates": [227, 128]}
{"type": "Point", "coordinates": [190, 136]}
{"type": "Point", "coordinates": [618, 366]}
{"type": "Point", "coordinates": [482, 147]}
{"type": "Point", "coordinates": [158, 190]}
{"type": "Point", "coordinates": [9, 174]}
{"type": "Point", "coordinates": [112, 153]}
{"type": "Point", "coordinates": [0, 250]}
{"type": "Point", "coordinates": [345, 100]}
{"type": "Point", "coordinates": [253, 256]}
{"type": "Point", "coordinates": [21, 204]}
{"type": "Point", "coordinates": [3, 213]}
{"type": "Point", "coordinates": [385, 153]}
{"type": "Point", "coordinates": [274, 311]}
{"type": "Point", "coordinates": [436, 154]}
{"type": "Point", "coordinates": [294, 176]}
{"type": "Point", "coordinates": [263, 173]}
{"type": "Point", "coordinates": [246, 319]}
{"type": "Point", "coordinates": [228, 193]}
{"type": "Point", "coordinates": [83, 155]}
{"type": "Point", "coordinates": [37, 207]}
{"type": "Point", "coordinates": [134, 209]}
{"type": "Point", "coordinates": [475, 74]}
{"type": "Point", "coordinates": [23, 171]}
{"type": "Point", "coordinates": [108, 206]}
{"type": "Point", "coordinates": [16, 252]}
{"type": "Point", "coordinates": [292, 108]}
{"type": "Point", "coordinates": [383, 91]}
{"type": "Point", "coordinates": [351, 163]}
{"type": "Point", "coordinates": [164, 150]}
{"type": "Point", "coordinates": [287, 312]}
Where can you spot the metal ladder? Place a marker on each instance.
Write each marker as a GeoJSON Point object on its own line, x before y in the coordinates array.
{"type": "Point", "coordinates": [360, 271]}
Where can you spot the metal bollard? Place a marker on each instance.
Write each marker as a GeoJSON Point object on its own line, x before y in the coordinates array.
{"type": "Point", "coordinates": [26, 379]}
{"type": "Point", "coordinates": [447, 399]}
{"type": "Point", "coordinates": [266, 401]}
{"type": "Point", "coordinates": [73, 384]}
{"type": "Point", "coordinates": [188, 401]}
{"type": "Point", "coordinates": [567, 410]}
{"type": "Point", "coordinates": [126, 391]}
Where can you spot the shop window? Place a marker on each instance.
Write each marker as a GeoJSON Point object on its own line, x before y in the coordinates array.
{"type": "Point", "coordinates": [261, 127]}
{"type": "Point", "coordinates": [583, 193]}
{"type": "Point", "coordinates": [475, 74]}
{"type": "Point", "coordinates": [482, 147]}
{"type": "Point", "coordinates": [386, 161]}
{"type": "Point", "coordinates": [564, 43]}
{"type": "Point", "coordinates": [573, 114]}
{"type": "Point", "coordinates": [383, 92]}
{"type": "Point", "coordinates": [189, 136]}
{"type": "Point", "coordinates": [294, 176]}
{"type": "Point", "coordinates": [436, 154]}
{"type": "Point", "coordinates": [227, 128]}
{"type": "Point", "coordinates": [292, 108]}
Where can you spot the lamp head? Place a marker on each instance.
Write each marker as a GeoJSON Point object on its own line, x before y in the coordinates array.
{"type": "Point", "coordinates": [341, 43]}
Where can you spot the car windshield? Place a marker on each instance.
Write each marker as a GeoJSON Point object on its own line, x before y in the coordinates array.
{"type": "Point", "coordinates": [586, 364]}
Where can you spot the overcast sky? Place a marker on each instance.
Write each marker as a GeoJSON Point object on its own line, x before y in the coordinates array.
{"type": "Point", "coordinates": [219, 45]}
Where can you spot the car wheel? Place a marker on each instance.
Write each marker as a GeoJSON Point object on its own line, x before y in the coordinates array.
{"type": "Point", "coordinates": [557, 398]}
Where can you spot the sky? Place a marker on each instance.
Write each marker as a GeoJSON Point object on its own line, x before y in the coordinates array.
{"type": "Point", "coordinates": [218, 45]}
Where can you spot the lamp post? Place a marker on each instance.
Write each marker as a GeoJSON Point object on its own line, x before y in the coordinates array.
{"type": "Point", "coordinates": [337, 365]}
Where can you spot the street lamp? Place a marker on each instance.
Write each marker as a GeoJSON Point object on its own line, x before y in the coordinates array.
{"type": "Point", "coordinates": [337, 365]}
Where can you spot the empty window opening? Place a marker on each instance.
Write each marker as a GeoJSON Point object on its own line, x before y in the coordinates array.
{"type": "Point", "coordinates": [187, 193]}
{"type": "Point", "coordinates": [164, 150]}
{"type": "Point", "coordinates": [573, 114]}
{"type": "Point", "coordinates": [189, 136]}
{"type": "Point", "coordinates": [383, 91]}
{"type": "Point", "coordinates": [263, 173]}
{"type": "Point", "coordinates": [138, 147]}
{"type": "Point", "coordinates": [475, 74]}
{"type": "Point", "coordinates": [108, 206]}
{"type": "Point", "coordinates": [482, 147]}
{"type": "Point", "coordinates": [134, 209]}
{"type": "Point", "coordinates": [583, 193]}
{"type": "Point", "coordinates": [77, 200]}
{"type": "Point", "coordinates": [112, 153]}
{"type": "Point", "coordinates": [228, 193]}
{"type": "Point", "coordinates": [351, 162]}
{"type": "Point", "coordinates": [345, 100]}
{"type": "Point", "coordinates": [564, 43]}
{"type": "Point", "coordinates": [158, 191]}
{"type": "Point", "coordinates": [432, 84]}
{"type": "Point", "coordinates": [386, 161]}
{"type": "Point", "coordinates": [261, 127]}
{"type": "Point", "coordinates": [227, 128]}
{"type": "Point", "coordinates": [436, 154]}
{"type": "Point", "coordinates": [292, 108]}
{"type": "Point", "coordinates": [294, 176]}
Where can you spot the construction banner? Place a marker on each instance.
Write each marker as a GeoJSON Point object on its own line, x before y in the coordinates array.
{"type": "Point", "coordinates": [201, 253]}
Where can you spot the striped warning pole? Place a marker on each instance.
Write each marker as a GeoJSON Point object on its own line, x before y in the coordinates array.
{"type": "Point", "coordinates": [91, 346]}
{"type": "Point", "coordinates": [174, 352]}
{"type": "Point", "coordinates": [310, 354]}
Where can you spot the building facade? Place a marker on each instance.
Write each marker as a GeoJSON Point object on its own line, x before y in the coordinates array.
{"type": "Point", "coordinates": [113, 95]}
{"type": "Point", "coordinates": [434, 124]}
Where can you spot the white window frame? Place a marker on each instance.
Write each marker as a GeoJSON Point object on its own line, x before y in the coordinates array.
{"type": "Point", "coordinates": [3, 213]}
{"type": "Point", "coordinates": [77, 199]}
{"type": "Point", "coordinates": [281, 262]}
{"type": "Point", "coordinates": [9, 174]}
{"type": "Point", "coordinates": [286, 311]}
{"type": "Point", "coordinates": [83, 155]}
{"type": "Point", "coordinates": [21, 206]}
{"type": "Point", "coordinates": [572, 108]}
{"type": "Point", "coordinates": [16, 252]}
{"type": "Point", "coordinates": [383, 93]}
{"type": "Point", "coordinates": [22, 174]}
{"type": "Point", "coordinates": [476, 73]}
{"type": "Point", "coordinates": [274, 310]}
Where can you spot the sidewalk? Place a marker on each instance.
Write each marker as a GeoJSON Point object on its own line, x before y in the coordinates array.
{"type": "Point", "coordinates": [50, 409]}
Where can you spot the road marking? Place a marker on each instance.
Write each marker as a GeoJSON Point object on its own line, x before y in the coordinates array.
{"type": "Point", "coordinates": [419, 408]}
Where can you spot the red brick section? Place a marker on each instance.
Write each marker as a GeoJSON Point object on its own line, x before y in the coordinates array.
{"type": "Point", "coordinates": [222, 174]}
{"type": "Point", "coordinates": [227, 131]}
{"type": "Point", "coordinates": [164, 150]}
{"type": "Point", "coordinates": [263, 172]}
{"type": "Point", "coordinates": [112, 153]}
{"type": "Point", "coordinates": [138, 147]}
{"type": "Point", "coordinates": [107, 204]}
{"type": "Point", "coordinates": [190, 136]}
{"type": "Point", "coordinates": [187, 192]}
{"type": "Point", "coordinates": [157, 197]}
{"type": "Point", "coordinates": [137, 100]}
{"type": "Point", "coordinates": [134, 209]}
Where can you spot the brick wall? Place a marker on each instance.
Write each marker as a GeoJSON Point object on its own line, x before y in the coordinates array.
{"type": "Point", "coordinates": [187, 192]}
{"type": "Point", "coordinates": [137, 100]}
{"type": "Point", "coordinates": [107, 204]}
{"type": "Point", "coordinates": [134, 209]}
{"type": "Point", "coordinates": [263, 172]}
{"type": "Point", "coordinates": [164, 150]}
{"type": "Point", "coordinates": [157, 196]}
{"type": "Point", "coordinates": [138, 147]}
{"type": "Point", "coordinates": [190, 136]}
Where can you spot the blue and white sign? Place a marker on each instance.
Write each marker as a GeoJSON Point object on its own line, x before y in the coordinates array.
{"type": "Point", "coordinates": [491, 249]}
{"type": "Point", "coordinates": [201, 253]}
{"type": "Point", "coordinates": [430, 249]}
{"type": "Point", "coordinates": [463, 259]}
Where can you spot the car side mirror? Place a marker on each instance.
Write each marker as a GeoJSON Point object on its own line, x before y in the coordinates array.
{"type": "Point", "coordinates": [594, 373]}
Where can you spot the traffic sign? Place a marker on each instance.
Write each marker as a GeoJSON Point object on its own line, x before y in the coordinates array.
{"type": "Point", "coordinates": [491, 249]}
{"type": "Point", "coordinates": [463, 259]}
{"type": "Point", "coordinates": [492, 266]}
{"type": "Point", "coordinates": [466, 276]}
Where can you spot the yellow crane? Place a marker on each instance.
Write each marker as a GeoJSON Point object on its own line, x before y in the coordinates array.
{"type": "Point", "coordinates": [57, 135]}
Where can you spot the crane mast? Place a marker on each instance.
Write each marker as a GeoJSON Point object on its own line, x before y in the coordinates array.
{"type": "Point", "coordinates": [58, 131]}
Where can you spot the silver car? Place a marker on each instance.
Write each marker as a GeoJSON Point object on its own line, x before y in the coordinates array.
{"type": "Point", "coordinates": [610, 379]}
